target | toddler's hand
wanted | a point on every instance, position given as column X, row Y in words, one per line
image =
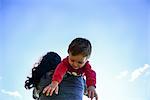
column 51, row 88
column 92, row 92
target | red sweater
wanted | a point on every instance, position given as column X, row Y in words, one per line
column 64, row 67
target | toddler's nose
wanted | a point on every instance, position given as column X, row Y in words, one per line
column 75, row 66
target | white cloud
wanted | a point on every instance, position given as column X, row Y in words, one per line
column 11, row 93
column 138, row 72
column 134, row 74
column 122, row 74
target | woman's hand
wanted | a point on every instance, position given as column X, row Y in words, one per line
column 92, row 92
column 51, row 88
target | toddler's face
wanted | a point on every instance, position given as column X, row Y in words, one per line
column 77, row 61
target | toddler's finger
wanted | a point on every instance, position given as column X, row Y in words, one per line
column 56, row 90
column 48, row 91
column 45, row 89
column 96, row 96
column 89, row 94
column 92, row 95
column 51, row 91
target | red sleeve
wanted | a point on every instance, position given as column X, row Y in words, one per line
column 90, row 76
column 59, row 73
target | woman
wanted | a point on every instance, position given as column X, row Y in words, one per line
column 71, row 87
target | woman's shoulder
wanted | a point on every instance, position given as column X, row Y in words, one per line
column 64, row 62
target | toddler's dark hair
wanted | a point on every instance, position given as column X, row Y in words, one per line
column 48, row 63
column 80, row 46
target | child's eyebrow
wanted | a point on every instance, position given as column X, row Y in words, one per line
column 80, row 61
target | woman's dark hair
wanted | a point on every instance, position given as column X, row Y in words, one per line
column 47, row 63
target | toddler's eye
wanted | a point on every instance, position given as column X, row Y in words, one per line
column 72, row 60
column 80, row 62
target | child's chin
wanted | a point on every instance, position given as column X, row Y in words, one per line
column 75, row 68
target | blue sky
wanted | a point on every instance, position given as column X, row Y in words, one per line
column 119, row 31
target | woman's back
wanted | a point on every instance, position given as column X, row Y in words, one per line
column 71, row 88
